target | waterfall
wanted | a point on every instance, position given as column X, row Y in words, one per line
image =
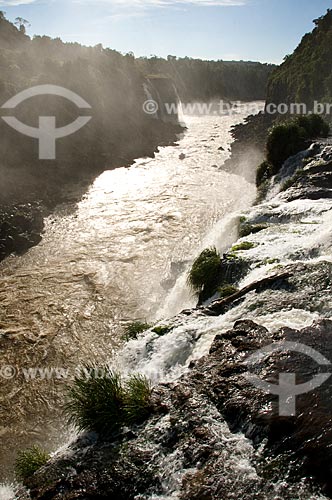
column 179, row 107
column 163, row 92
column 149, row 97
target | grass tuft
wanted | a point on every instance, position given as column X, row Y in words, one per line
column 95, row 401
column 29, row 461
column 100, row 401
column 137, row 404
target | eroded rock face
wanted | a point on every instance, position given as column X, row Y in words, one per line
column 304, row 438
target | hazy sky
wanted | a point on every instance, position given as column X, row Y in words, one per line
column 262, row 30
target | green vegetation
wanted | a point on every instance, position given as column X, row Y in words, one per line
column 198, row 80
column 306, row 75
column 227, row 290
column 29, row 461
column 314, row 125
column 96, row 401
column 137, row 405
column 289, row 138
column 100, row 401
column 162, row 330
column 205, row 271
column 285, row 140
column 247, row 229
column 245, row 245
column 134, row 329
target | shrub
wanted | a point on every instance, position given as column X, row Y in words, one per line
column 284, row 141
column 227, row 290
column 314, row 125
column 290, row 138
column 205, row 271
column 96, row 401
column 245, row 245
column 137, row 404
column 99, row 400
column 264, row 171
column 29, row 461
column 134, row 329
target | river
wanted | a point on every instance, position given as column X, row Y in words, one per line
column 120, row 254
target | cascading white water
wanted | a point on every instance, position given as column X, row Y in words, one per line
column 149, row 97
column 306, row 228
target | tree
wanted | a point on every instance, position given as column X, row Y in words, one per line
column 22, row 24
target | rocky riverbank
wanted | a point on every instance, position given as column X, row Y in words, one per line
column 212, row 434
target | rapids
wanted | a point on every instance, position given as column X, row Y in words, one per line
column 121, row 254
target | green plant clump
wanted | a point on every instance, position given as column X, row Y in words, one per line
column 100, row 401
column 29, row 461
column 285, row 140
column 247, row 229
column 134, row 329
column 161, row 330
column 205, row 271
column 137, row 404
column 245, row 245
column 314, row 125
column 227, row 290
column 289, row 138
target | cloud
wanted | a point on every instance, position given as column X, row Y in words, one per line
column 141, row 4
column 13, row 3
column 146, row 4
column 130, row 7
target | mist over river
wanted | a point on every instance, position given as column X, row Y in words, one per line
column 121, row 254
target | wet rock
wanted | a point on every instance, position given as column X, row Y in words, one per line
column 21, row 227
column 191, row 431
